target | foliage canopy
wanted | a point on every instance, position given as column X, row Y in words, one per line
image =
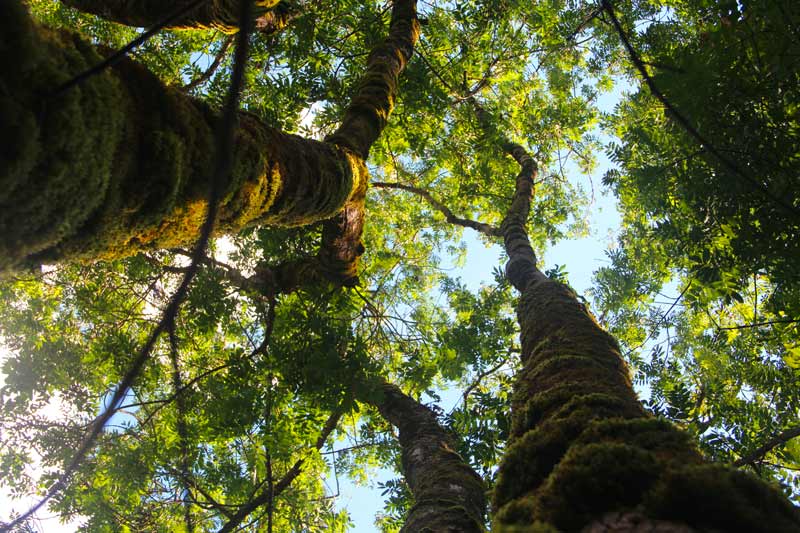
column 250, row 382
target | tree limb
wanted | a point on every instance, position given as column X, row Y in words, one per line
column 778, row 440
column 212, row 68
column 450, row 217
column 273, row 491
column 448, row 494
column 684, row 122
column 267, row 15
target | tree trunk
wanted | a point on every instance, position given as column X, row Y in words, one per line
column 583, row 455
column 220, row 15
column 448, row 494
column 120, row 163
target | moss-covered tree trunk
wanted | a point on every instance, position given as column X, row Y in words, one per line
column 217, row 14
column 448, row 494
column 120, row 163
column 583, row 454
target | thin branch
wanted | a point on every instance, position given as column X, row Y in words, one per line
column 757, row 324
column 271, row 492
column 781, row 438
column 212, row 68
column 662, row 320
column 183, row 433
column 351, row 448
column 122, row 52
column 480, row 227
column 476, row 383
column 683, row 121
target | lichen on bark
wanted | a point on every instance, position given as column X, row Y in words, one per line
column 448, row 495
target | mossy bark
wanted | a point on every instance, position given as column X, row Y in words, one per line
column 121, row 163
column 364, row 119
column 369, row 111
column 220, row 15
column 448, row 494
column 584, row 455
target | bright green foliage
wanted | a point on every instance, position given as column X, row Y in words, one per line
column 538, row 68
column 726, row 231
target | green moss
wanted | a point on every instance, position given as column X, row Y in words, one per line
column 121, row 163
column 515, row 515
column 651, row 434
column 714, row 497
column 582, row 446
column 67, row 143
column 530, row 459
column 593, row 479
column 565, row 398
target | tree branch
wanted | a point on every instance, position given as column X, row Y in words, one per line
column 477, row 381
column 271, row 492
column 448, row 494
column 758, row 324
column 480, row 227
column 212, row 68
column 778, row 440
column 684, row 122
column 267, row 17
column 369, row 110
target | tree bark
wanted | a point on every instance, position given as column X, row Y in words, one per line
column 448, row 494
column 583, row 455
column 222, row 15
column 120, row 163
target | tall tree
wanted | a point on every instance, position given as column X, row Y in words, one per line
column 290, row 345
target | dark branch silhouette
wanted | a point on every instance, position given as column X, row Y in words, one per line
column 778, row 440
column 268, row 495
column 212, row 68
column 684, row 122
column 480, row 227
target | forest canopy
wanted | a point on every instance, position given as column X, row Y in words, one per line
column 226, row 257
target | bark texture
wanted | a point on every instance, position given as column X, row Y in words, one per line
column 222, row 15
column 121, row 163
column 368, row 112
column 363, row 121
column 448, row 494
column 582, row 447
column 583, row 455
